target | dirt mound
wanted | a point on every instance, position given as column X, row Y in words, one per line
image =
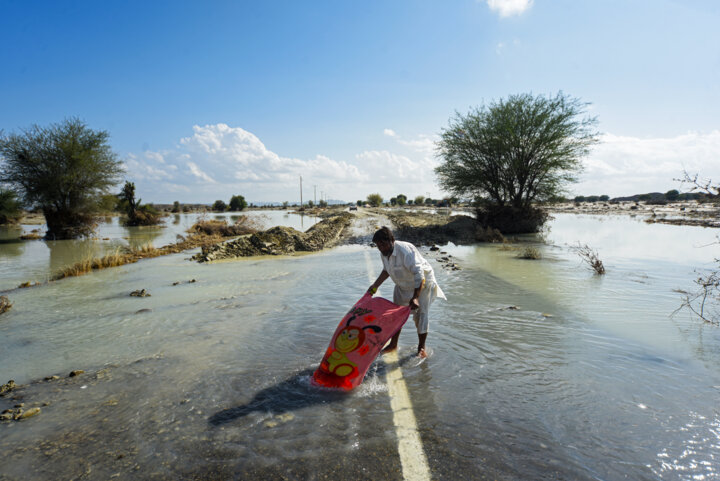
column 279, row 240
column 422, row 228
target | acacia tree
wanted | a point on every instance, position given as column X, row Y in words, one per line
column 64, row 169
column 511, row 153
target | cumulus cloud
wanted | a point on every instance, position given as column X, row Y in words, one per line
column 508, row 8
column 217, row 161
column 622, row 165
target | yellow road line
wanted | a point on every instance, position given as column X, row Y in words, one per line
column 412, row 455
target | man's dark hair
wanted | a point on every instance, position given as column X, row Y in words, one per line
column 383, row 234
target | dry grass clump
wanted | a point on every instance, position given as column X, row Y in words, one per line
column 488, row 234
column 93, row 263
column 530, row 253
column 242, row 226
column 5, row 304
column 590, row 257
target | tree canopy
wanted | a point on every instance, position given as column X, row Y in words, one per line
column 375, row 200
column 10, row 208
column 237, row 203
column 517, row 151
column 64, row 169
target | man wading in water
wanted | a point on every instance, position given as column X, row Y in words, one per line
column 414, row 282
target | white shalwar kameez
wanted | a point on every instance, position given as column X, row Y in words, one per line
column 407, row 268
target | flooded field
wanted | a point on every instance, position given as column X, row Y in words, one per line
column 36, row 261
column 539, row 369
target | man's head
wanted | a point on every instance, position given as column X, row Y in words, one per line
column 384, row 240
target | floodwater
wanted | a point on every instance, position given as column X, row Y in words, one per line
column 36, row 261
column 538, row 369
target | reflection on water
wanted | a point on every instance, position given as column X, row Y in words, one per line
column 538, row 369
column 143, row 236
column 11, row 247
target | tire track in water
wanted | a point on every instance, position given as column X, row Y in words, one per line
column 412, row 455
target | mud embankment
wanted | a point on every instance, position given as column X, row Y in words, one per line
column 428, row 229
column 279, row 241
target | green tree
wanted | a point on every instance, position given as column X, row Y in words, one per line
column 237, row 203
column 604, row 198
column 393, row 200
column 322, row 203
column 176, row 207
column 359, row 203
column 219, row 206
column 10, row 208
column 419, row 200
column 374, row 200
column 137, row 213
column 514, row 152
column 64, row 169
column 672, row 195
column 401, row 200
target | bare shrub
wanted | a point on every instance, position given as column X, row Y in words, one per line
column 488, row 234
column 589, row 256
column 705, row 302
column 530, row 253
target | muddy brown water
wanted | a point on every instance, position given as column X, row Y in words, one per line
column 538, row 369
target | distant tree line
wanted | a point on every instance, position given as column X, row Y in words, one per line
column 376, row 200
column 670, row 196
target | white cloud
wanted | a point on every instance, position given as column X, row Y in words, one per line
column 195, row 170
column 621, row 165
column 423, row 144
column 218, row 161
column 508, row 8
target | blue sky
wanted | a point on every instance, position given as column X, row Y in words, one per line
column 204, row 100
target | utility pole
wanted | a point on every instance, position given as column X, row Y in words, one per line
column 315, row 194
column 301, row 204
